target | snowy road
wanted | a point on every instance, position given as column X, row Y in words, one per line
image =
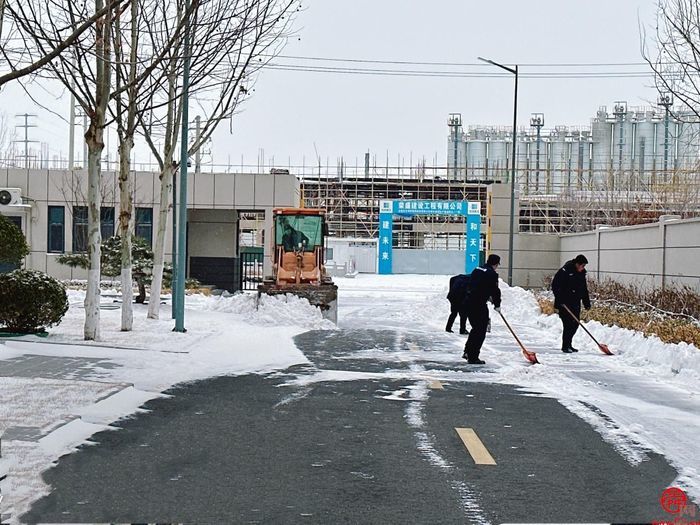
column 351, row 427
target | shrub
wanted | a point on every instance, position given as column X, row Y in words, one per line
column 13, row 245
column 111, row 261
column 30, row 301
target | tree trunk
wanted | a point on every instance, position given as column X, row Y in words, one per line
column 166, row 184
column 92, row 296
column 125, row 212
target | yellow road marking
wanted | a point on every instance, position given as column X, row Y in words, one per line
column 436, row 385
column 412, row 346
column 476, row 448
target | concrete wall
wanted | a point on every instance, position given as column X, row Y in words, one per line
column 206, row 191
column 430, row 262
column 535, row 255
column 648, row 255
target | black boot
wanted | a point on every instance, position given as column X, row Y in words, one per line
column 566, row 350
column 573, row 349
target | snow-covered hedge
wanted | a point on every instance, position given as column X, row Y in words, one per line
column 30, row 301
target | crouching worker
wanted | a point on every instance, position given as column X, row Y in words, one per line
column 484, row 287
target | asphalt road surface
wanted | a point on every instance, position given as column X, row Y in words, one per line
column 363, row 435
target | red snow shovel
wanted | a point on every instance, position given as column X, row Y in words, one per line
column 530, row 356
column 603, row 348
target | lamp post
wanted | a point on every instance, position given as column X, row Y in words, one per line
column 181, row 267
column 514, row 71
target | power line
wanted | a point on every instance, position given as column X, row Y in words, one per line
column 460, row 64
column 453, row 74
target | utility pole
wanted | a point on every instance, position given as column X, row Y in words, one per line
column 26, row 140
column 71, row 133
column 198, row 155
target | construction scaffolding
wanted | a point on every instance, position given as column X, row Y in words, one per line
column 352, row 203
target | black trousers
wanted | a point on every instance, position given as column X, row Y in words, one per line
column 455, row 309
column 479, row 319
column 569, row 323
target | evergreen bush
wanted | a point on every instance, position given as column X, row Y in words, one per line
column 13, row 245
column 30, row 301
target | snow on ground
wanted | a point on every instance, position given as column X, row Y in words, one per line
column 641, row 400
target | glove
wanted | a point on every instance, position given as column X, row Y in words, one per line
column 498, row 309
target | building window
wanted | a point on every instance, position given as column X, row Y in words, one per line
column 57, row 230
column 106, row 223
column 80, row 228
column 144, row 224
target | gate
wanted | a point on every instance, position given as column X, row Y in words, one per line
column 251, row 270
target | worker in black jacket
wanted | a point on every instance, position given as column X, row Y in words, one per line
column 484, row 286
column 459, row 302
column 570, row 289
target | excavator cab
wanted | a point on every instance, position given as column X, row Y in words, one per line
column 298, row 252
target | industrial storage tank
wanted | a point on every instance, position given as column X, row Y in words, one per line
column 601, row 131
column 499, row 157
column 476, row 156
column 687, row 145
column 557, row 176
column 645, row 148
column 580, row 161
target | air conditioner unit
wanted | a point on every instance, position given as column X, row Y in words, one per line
column 10, row 196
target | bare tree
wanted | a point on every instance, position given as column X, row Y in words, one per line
column 231, row 41
column 15, row 58
column 675, row 60
column 84, row 68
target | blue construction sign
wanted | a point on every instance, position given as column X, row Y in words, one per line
column 409, row 208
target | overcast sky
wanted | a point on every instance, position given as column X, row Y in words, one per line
column 293, row 114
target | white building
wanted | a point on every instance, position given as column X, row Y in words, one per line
column 50, row 208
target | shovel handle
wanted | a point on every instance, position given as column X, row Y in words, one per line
column 580, row 323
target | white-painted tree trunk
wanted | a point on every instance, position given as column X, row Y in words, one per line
column 94, row 138
column 166, row 186
column 92, row 296
column 125, row 213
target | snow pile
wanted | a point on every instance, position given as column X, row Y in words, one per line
column 279, row 310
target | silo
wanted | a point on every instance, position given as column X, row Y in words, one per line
column 525, row 162
column 499, row 156
column 476, row 155
column 686, row 145
column 558, row 162
column 644, row 148
column 601, row 131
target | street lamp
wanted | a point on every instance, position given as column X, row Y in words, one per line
column 514, row 71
